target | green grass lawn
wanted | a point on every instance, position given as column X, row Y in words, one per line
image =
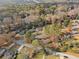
column 52, row 57
column 20, row 56
column 47, row 57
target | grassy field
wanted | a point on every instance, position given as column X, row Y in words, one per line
column 47, row 57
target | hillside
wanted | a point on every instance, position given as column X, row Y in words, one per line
column 2, row 2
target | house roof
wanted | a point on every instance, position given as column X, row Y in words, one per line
column 43, row 36
column 2, row 50
column 76, row 36
column 3, row 40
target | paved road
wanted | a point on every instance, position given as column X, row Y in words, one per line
column 69, row 56
column 57, row 53
column 24, row 45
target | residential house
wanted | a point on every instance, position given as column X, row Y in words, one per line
column 2, row 51
column 9, row 54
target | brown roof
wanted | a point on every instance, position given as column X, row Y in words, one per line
column 18, row 36
column 53, row 38
column 73, row 12
column 3, row 40
column 32, row 18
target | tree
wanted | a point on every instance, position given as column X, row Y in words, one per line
column 66, row 22
column 41, row 9
column 52, row 9
column 28, row 37
column 52, row 29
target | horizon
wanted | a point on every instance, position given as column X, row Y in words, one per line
column 3, row 2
